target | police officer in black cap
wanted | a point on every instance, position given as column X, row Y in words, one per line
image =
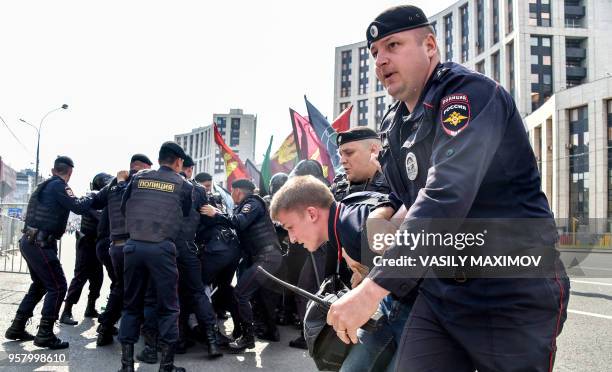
column 86, row 267
column 47, row 215
column 154, row 204
column 455, row 148
column 259, row 243
column 112, row 195
column 358, row 147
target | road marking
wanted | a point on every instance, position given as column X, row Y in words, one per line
column 591, row 268
column 590, row 314
column 585, row 282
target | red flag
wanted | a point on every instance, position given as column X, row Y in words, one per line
column 234, row 167
column 342, row 122
column 308, row 144
column 285, row 158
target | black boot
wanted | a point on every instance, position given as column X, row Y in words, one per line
column 90, row 311
column 167, row 359
column 17, row 329
column 127, row 358
column 66, row 317
column 105, row 335
column 246, row 341
column 211, row 338
column 269, row 333
column 149, row 353
column 222, row 339
column 46, row 338
column 299, row 342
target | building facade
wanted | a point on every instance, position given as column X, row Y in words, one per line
column 533, row 48
column 239, row 132
column 554, row 57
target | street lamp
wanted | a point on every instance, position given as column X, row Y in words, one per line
column 62, row 107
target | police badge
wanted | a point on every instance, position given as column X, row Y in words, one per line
column 412, row 167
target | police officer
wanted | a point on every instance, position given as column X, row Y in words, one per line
column 260, row 245
column 455, row 147
column 357, row 147
column 192, row 293
column 46, row 218
column 155, row 203
column 112, row 194
column 87, row 267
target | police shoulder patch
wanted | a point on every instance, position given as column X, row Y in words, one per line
column 454, row 113
column 69, row 192
column 246, row 208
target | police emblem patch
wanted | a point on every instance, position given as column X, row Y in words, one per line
column 373, row 31
column 246, row 208
column 155, row 185
column 69, row 192
column 454, row 113
column 412, row 167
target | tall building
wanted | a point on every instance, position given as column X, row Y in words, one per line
column 555, row 58
column 239, row 132
column 200, row 145
column 521, row 44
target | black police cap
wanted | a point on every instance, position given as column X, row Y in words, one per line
column 395, row 19
column 203, row 177
column 188, row 162
column 173, row 147
column 142, row 158
column 63, row 160
column 243, row 184
column 355, row 134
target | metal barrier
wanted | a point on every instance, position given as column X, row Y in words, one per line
column 10, row 257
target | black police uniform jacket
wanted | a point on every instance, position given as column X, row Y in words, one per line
column 343, row 187
column 155, row 203
column 51, row 204
column 463, row 153
column 252, row 222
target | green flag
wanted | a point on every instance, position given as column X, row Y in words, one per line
column 265, row 168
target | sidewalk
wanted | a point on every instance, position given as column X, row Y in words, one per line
column 82, row 355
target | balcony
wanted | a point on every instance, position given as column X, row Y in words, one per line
column 574, row 73
column 574, row 11
column 575, row 53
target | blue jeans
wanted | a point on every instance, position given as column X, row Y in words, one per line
column 377, row 350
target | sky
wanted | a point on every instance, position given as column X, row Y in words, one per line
column 134, row 73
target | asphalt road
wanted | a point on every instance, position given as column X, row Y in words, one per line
column 584, row 345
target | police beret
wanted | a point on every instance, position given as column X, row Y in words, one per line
column 203, row 177
column 173, row 147
column 63, row 160
column 142, row 158
column 355, row 134
column 188, row 162
column 395, row 19
column 243, row 184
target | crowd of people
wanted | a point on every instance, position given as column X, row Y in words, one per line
column 453, row 146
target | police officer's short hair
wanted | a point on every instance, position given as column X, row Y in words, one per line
column 245, row 185
column 299, row 193
column 62, row 165
column 203, row 177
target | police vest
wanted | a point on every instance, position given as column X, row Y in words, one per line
column 189, row 227
column 259, row 234
column 89, row 224
column 153, row 211
column 118, row 230
column 43, row 216
column 342, row 187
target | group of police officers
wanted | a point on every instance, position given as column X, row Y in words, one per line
column 452, row 146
